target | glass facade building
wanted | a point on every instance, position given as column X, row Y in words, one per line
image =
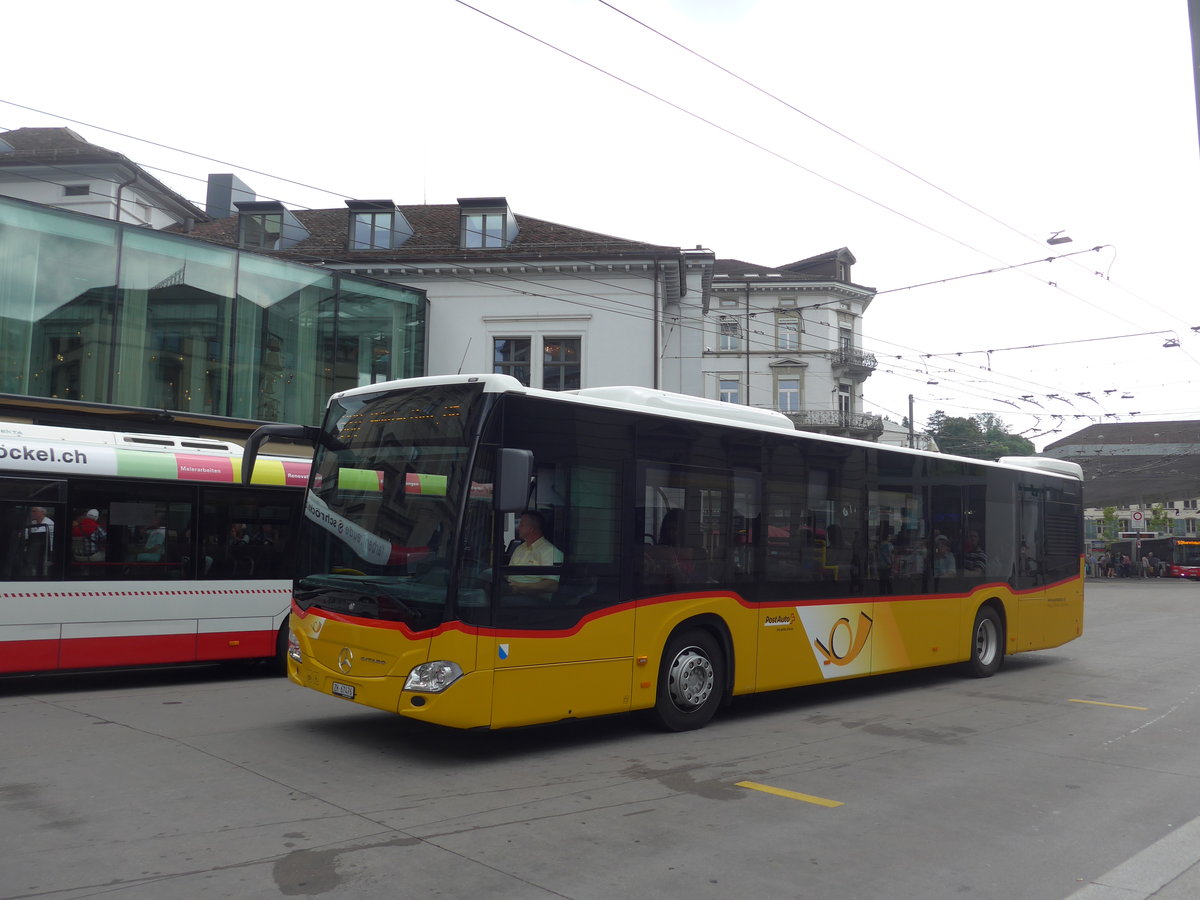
column 92, row 310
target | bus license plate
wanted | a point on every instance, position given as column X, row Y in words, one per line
column 343, row 690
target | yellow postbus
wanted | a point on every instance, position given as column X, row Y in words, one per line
column 677, row 553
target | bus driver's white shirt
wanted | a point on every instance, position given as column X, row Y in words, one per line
column 540, row 553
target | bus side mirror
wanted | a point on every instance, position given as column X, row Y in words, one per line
column 263, row 433
column 514, row 471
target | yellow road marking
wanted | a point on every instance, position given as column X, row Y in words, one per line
column 1115, row 705
column 792, row 795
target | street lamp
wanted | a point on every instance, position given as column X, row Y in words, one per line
column 1058, row 238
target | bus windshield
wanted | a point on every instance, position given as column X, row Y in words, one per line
column 388, row 479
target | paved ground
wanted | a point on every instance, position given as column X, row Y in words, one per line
column 1073, row 773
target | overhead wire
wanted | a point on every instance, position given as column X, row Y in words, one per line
column 884, row 158
column 749, row 339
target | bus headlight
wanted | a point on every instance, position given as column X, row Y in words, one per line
column 433, row 677
column 293, row 650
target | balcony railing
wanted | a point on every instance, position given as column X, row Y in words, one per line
column 854, row 359
column 856, row 424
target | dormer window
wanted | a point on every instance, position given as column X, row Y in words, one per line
column 261, row 231
column 486, row 223
column 377, row 225
column 266, row 225
column 483, row 230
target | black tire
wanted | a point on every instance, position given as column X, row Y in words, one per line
column 691, row 681
column 987, row 643
column 278, row 662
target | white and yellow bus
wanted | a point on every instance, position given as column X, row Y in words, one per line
column 707, row 551
column 139, row 549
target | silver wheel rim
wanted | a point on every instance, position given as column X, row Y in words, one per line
column 986, row 641
column 690, row 679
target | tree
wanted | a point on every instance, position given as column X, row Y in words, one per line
column 984, row 436
column 1109, row 524
column 1160, row 520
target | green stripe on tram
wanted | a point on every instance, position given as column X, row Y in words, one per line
column 137, row 464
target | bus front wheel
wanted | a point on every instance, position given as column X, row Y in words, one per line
column 987, row 643
column 691, row 681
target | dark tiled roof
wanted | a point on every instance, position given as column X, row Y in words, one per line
column 1133, row 433
column 822, row 262
column 45, row 143
column 63, row 147
column 436, row 237
column 817, row 269
column 736, row 269
column 1135, row 462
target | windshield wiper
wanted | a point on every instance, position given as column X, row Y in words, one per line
column 375, row 602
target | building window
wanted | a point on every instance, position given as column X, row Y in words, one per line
column 561, row 364
column 729, row 303
column 845, row 400
column 787, row 392
column 483, row 230
column 787, row 302
column 730, row 336
column 846, row 340
column 729, row 390
column 559, row 369
column 1190, row 524
column 787, row 333
column 372, row 231
column 76, row 190
column 1189, row 504
column 261, row 231
column 511, row 357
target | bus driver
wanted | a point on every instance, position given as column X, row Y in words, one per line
column 534, row 550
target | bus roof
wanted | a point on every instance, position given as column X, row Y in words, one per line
column 685, row 406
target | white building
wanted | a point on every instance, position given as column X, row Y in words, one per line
column 559, row 307
column 56, row 167
column 790, row 338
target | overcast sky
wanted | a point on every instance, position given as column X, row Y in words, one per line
column 934, row 138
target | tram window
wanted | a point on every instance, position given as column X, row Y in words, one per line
column 30, row 541
column 245, row 535
column 141, row 532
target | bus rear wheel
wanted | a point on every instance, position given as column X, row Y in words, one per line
column 987, row 643
column 691, row 681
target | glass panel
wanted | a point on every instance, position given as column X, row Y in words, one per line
column 261, row 230
column 372, row 231
column 493, row 231
column 897, row 517
column 561, row 364
column 789, row 395
column 246, row 534
column 384, row 505
column 579, row 495
column 375, row 326
column 174, row 331
column 730, row 391
column 39, row 538
column 472, row 231
column 57, row 274
column 789, row 334
column 511, row 356
column 274, row 373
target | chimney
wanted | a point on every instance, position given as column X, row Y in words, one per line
column 223, row 192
